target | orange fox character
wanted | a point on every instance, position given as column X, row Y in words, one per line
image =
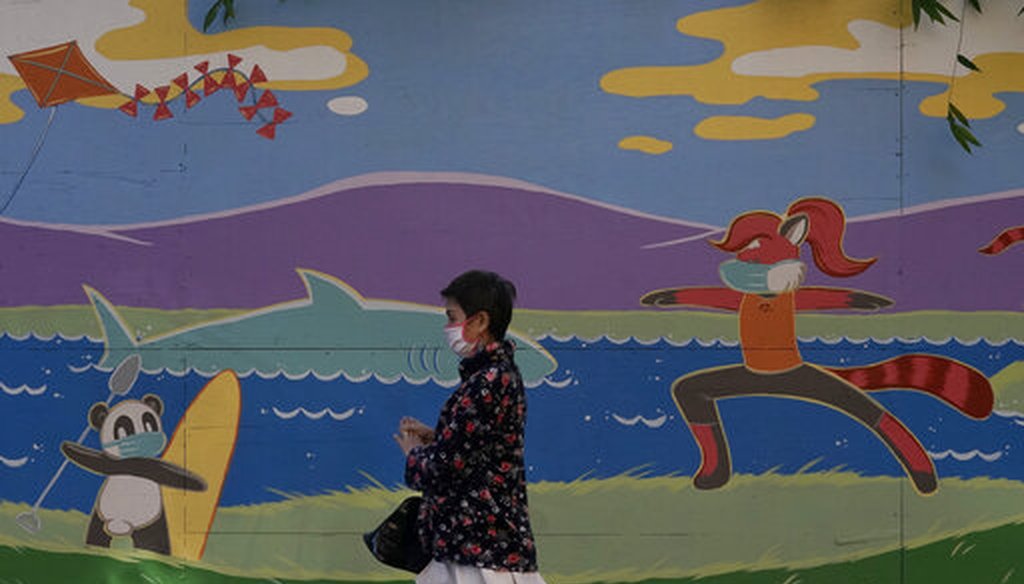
column 764, row 285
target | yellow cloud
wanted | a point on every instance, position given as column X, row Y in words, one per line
column 779, row 49
column 9, row 112
column 166, row 33
column 761, row 26
column 751, row 128
column 974, row 94
column 646, row 144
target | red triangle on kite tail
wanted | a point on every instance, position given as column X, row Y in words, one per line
column 267, row 131
column 233, row 61
column 191, row 98
column 257, row 75
column 162, row 111
column 267, row 99
column 209, row 86
column 281, row 115
column 181, row 81
column 203, row 67
column 131, row 108
column 248, row 111
column 140, row 92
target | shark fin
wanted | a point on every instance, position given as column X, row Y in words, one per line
column 118, row 342
column 326, row 290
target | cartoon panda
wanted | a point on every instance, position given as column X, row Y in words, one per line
column 129, row 502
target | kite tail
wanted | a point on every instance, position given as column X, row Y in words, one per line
column 960, row 386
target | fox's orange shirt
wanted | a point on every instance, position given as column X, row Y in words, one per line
column 768, row 332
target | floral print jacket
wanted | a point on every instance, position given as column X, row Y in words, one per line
column 472, row 475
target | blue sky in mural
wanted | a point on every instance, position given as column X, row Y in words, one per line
column 508, row 89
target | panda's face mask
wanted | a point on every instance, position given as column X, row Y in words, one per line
column 141, row 445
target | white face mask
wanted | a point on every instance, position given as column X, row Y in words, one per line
column 455, row 335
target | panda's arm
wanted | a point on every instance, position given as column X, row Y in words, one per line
column 154, row 469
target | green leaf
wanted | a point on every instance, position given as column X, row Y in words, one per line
column 211, row 15
column 229, row 10
column 942, row 8
column 1021, row 11
column 960, row 140
column 915, row 7
column 964, row 137
column 976, row 4
column 933, row 13
column 955, row 111
column 967, row 62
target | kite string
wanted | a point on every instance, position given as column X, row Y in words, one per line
column 31, row 160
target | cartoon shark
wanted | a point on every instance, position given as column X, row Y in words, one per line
column 333, row 331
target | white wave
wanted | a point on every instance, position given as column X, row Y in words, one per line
column 315, row 415
column 279, row 373
column 1008, row 414
column 13, row 463
column 551, row 383
column 830, row 340
column 965, row 456
column 23, row 389
column 556, row 338
column 84, row 368
column 50, row 337
column 654, row 423
column 647, row 342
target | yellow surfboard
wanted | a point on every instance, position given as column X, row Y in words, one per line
column 203, row 443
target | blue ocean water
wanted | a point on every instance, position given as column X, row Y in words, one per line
column 606, row 411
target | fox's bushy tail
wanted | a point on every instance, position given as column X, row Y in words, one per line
column 959, row 385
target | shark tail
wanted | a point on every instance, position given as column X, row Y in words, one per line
column 117, row 340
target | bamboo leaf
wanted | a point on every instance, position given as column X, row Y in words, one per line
column 929, row 7
column 915, row 7
column 976, row 4
column 963, row 60
column 229, row 10
column 964, row 137
column 942, row 8
column 960, row 139
column 955, row 111
column 211, row 15
column 933, row 14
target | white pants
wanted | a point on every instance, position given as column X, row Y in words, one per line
column 449, row 573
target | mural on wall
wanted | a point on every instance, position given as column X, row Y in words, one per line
column 240, row 322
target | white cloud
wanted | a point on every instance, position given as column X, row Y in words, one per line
column 349, row 105
column 25, row 26
column 930, row 49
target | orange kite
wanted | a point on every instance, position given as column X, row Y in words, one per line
column 60, row 74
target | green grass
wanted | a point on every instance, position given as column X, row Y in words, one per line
column 1008, row 385
column 988, row 556
column 609, row 530
column 644, row 324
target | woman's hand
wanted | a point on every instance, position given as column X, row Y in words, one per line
column 407, row 441
column 413, row 426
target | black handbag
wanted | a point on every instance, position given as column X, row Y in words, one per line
column 396, row 541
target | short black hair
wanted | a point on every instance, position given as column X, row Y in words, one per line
column 479, row 290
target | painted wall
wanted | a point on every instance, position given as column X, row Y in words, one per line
column 235, row 240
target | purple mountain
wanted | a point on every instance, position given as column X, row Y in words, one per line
column 402, row 236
